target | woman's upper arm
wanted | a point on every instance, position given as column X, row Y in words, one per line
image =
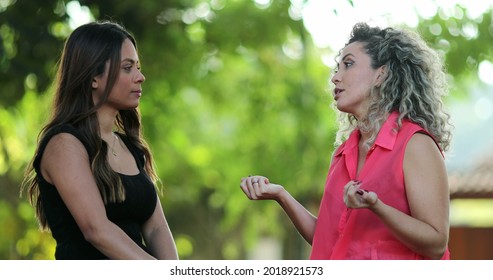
column 65, row 164
column 155, row 221
column 158, row 236
column 426, row 182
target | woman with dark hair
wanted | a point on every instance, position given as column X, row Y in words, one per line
column 386, row 193
column 92, row 179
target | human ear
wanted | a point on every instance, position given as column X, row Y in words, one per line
column 96, row 81
column 94, row 84
column 381, row 75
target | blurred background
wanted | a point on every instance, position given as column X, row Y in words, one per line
column 241, row 87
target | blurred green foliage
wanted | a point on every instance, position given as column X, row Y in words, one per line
column 233, row 88
column 465, row 40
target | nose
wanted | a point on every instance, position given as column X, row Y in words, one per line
column 335, row 78
column 140, row 77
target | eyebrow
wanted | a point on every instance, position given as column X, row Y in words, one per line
column 342, row 59
column 130, row 60
column 349, row 54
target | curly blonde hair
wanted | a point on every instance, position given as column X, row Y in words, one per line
column 414, row 86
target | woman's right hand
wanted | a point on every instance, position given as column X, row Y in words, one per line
column 259, row 188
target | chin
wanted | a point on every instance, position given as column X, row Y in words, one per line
column 130, row 107
column 341, row 108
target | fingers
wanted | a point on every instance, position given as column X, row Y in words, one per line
column 247, row 187
column 262, row 186
column 350, row 190
column 356, row 197
column 254, row 186
column 371, row 198
column 244, row 188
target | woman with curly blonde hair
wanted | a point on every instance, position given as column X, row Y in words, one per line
column 386, row 194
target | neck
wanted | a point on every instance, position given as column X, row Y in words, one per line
column 106, row 122
column 364, row 136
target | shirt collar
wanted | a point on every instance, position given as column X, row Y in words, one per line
column 388, row 133
column 385, row 138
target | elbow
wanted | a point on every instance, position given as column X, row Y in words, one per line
column 309, row 240
column 438, row 253
column 308, row 236
column 93, row 234
column 90, row 235
column 438, row 250
column 431, row 252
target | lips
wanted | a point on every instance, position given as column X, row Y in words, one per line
column 337, row 92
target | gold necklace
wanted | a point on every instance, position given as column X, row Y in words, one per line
column 113, row 145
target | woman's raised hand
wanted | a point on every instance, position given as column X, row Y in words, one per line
column 259, row 188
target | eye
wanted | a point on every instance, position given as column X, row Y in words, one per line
column 348, row 63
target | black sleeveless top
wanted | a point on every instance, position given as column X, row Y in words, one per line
column 129, row 215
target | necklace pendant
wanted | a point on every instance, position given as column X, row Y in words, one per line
column 113, row 146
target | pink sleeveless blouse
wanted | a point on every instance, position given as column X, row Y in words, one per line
column 343, row 233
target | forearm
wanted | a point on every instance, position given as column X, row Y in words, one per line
column 114, row 243
column 301, row 218
column 259, row 188
column 417, row 235
column 161, row 244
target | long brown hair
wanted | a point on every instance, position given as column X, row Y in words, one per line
column 85, row 54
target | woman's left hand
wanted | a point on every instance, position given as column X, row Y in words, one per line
column 356, row 197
